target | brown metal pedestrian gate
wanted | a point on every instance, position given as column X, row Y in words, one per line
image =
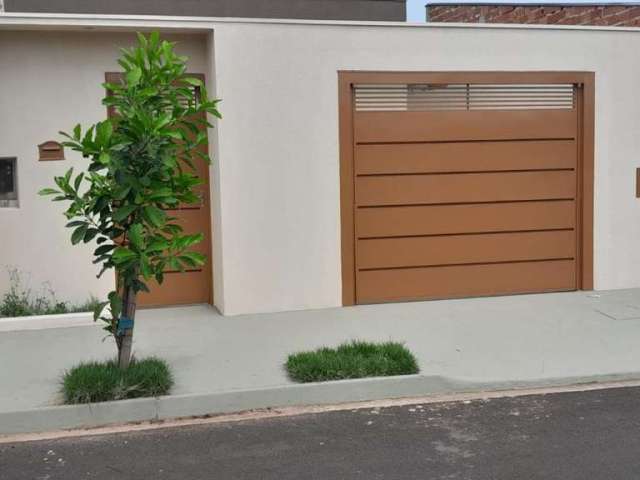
column 193, row 285
column 461, row 184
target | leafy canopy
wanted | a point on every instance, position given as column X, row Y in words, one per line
column 141, row 165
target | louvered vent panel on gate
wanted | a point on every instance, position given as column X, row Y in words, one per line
column 423, row 97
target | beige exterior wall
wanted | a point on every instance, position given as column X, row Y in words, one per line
column 49, row 81
column 280, row 195
column 275, row 181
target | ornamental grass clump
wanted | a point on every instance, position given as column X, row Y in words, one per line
column 104, row 381
column 354, row 359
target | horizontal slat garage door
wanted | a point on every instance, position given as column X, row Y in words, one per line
column 464, row 190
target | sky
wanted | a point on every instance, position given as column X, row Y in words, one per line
column 415, row 10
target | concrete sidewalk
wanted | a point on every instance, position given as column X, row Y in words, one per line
column 462, row 345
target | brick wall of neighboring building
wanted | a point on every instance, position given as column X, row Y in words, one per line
column 611, row 15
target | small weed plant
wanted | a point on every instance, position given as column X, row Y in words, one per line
column 22, row 300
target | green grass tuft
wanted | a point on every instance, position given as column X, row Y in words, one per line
column 103, row 381
column 355, row 359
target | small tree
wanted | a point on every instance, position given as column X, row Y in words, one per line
column 141, row 164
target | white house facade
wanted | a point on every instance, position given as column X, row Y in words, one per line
column 297, row 157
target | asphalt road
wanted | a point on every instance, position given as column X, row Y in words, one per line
column 581, row 435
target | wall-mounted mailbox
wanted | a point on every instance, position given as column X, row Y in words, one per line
column 50, row 150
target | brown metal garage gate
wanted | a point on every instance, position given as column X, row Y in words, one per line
column 464, row 189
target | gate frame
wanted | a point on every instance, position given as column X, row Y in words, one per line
column 585, row 105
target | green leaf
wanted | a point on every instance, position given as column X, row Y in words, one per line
column 204, row 156
column 49, row 191
column 155, row 216
column 189, row 240
column 196, row 82
column 104, row 158
column 157, row 246
column 78, row 181
column 176, row 135
column 113, row 87
column 133, row 76
column 161, row 193
column 102, row 270
column 87, row 140
column 172, row 229
column 123, row 212
column 192, row 259
column 135, row 236
column 163, row 120
column 145, row 268
column 102, row 249
column 123, row 255
column 149, row 92
column 102, row 201
column 174, row 264
column 142, row 40
column 104, row 130
column 154, row 38
column 98, row 310
column 91, row 233
column 121, row 192
column 167, row 50
column 115, row 304
column 67, row 176
column 201, row 138
column 75, row 223
column 78, row 234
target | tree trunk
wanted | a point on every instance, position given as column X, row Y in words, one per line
column 124, row 338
